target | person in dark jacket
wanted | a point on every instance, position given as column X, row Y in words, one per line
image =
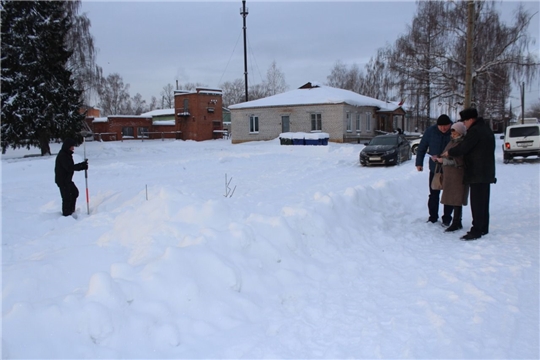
column 478, row 151
column 433, row 142
column 63, row 174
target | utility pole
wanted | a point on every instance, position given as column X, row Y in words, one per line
column 523, row 103
column 244, row 13
column 469, row 55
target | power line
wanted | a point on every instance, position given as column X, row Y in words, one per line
column 228, row 62
column 254, row 59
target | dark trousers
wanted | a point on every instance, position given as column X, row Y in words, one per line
column 433, row 204
column 69, row 194
column 458, row 210
column 480, row 208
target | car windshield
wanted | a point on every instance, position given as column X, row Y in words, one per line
column 384, row 140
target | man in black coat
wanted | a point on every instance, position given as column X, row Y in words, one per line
column 63, row 172
column 478, row 151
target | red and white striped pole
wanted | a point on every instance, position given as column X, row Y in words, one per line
column 86, row 179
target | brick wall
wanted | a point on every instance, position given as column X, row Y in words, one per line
column 199, row 113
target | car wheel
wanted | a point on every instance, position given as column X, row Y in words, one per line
column 398, row 160
column 507, row 158
column 413, row 149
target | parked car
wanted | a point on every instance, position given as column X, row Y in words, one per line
column 389, row 149
column 521, row 140
column 414, row 145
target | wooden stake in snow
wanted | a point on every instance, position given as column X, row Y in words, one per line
column 228, row 192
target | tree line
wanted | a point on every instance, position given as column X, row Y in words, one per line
column 426, row 65
column 114, row 98
column 49, row 69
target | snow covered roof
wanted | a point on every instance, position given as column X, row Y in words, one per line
column 314, row 93
column 199, row 90
column 129, row 116
column 159, row 112
column 100, row 119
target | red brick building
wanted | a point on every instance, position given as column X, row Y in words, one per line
column 198, row 116
column 125, row 127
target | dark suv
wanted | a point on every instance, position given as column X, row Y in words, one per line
column 390, row 149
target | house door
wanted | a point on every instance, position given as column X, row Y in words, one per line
column 285, row 124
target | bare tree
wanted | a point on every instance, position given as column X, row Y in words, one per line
column 191, row 86
column 344, row 77
column 167, row 97
column 82, row 62
column 138, row 104
column 275, row 79
column 258, row 91
column 414, row 58
column 114, row 96
column 338, row 76
column 534, row 110
column 502, row 58
column 167, row 93
column 153, row 104
column 429, row 59
column 378, row 80
column 233, row 92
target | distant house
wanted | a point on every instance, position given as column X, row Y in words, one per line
column 345, row 115
column 197, row 115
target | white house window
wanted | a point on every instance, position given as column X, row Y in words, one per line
column 358, row 123
column 349, row 122
column 316, row 122
column 253, row 124
column 368, row 121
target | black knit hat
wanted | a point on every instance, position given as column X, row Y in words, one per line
column 69, row 142
column 469, row 113
column 444, row 120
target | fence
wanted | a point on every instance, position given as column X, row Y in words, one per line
column 112, row 136
column 145, row 135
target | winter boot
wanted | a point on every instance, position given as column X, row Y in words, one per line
column 456, row 222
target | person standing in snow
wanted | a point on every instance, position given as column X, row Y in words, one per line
column 63, row 171
column 434, row 140
column 478, row 151
column 454, row 192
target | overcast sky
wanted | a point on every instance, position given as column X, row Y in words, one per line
column 151, row 44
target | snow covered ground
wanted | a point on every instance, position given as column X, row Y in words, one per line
column 312, row 256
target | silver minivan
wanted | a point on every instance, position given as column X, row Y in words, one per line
column 521, row 140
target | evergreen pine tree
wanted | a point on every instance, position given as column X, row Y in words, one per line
column 39, row 101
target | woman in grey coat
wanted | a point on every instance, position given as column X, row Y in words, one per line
column 455, row 192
